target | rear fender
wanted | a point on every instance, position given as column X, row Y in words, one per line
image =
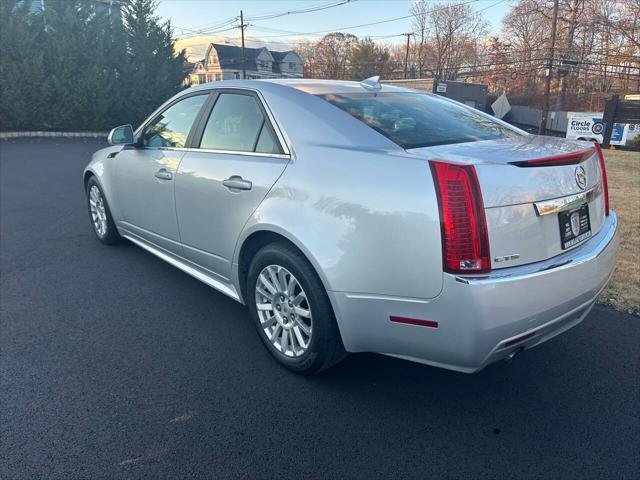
column 368, row 223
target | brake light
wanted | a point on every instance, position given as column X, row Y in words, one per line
column 465, row 242
column 605, row 185
column 572, row 158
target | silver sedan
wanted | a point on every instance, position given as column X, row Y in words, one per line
column 354, row 217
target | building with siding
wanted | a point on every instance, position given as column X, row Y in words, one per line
column 224, row 62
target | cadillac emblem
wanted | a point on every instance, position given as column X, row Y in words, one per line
column 581, row 177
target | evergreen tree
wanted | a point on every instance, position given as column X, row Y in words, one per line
column 75, row 67
column 84, row 51
column 22, row 72
column 367, row 59
column 154, row 72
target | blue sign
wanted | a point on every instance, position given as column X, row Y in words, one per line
column 598, row 128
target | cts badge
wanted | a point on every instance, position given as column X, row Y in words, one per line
column 506, row 258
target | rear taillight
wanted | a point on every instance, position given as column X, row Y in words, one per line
column 465, row 242
column 605, row 185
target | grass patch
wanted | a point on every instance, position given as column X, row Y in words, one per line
column 623, row 174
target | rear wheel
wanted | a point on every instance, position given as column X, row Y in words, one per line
column 101, row 219
column 291, row 310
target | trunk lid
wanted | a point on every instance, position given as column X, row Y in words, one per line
column 524, row 204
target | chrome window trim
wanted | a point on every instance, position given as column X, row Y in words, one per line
column 555, row 205
column 164, row 107
column 276, row 128
column 226, row 152
column 208, row 91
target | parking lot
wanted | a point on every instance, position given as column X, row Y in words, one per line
column 115, row 364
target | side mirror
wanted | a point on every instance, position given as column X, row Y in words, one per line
column 122, row 135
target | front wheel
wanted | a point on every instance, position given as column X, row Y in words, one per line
column 100, row 215
column 291, row 310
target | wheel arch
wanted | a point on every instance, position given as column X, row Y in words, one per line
column 97, row 169
column 261, row 236
column 87, row 175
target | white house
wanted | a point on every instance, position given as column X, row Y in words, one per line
column 224, row 62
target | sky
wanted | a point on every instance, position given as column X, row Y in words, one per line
column 199, row 22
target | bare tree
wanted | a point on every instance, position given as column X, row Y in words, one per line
column 596, row 51
column 306, row 50
column 420, row 25
column 623, row 18
column 454, row 32
column 524, row 33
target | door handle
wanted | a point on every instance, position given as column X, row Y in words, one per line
column 236, row 182
column 163, row 174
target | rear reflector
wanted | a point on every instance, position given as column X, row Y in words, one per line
column 414, row 321
column 605, row 185
column 557, row 160
column 465, row 243
column 519, row 339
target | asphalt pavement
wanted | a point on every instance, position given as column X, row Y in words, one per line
column 114, row 364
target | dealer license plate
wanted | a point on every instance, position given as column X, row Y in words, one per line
column 575, row 226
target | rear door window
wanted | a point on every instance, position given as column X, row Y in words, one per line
column 266, row 142
column 236, row 123
column 414, row 120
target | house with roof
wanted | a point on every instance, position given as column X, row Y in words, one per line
column 224, row 62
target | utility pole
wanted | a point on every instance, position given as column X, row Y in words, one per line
column 406, row 55
column 244, row 62
column 547, row 88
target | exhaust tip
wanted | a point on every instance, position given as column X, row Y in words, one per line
column 509, row 358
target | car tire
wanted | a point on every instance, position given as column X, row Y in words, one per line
column 274, row 313
column 100, row 215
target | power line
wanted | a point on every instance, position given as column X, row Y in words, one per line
column 314, row 8
column 209, row 32
column 208, row 26
column 372, row 23
column 303, row 10
column 541, row 63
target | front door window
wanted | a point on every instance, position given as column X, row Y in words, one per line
column 171, row 128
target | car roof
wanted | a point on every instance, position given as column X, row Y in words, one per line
column 308, row 85
column 315, row 86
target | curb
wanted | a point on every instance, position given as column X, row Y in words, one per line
column 53, row 134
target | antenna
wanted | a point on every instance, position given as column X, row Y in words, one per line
column 372, row 83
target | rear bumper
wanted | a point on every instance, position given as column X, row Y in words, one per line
column 482, row 320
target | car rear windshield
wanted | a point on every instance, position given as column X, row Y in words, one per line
column 414, row 120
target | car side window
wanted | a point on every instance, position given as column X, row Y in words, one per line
column 171, row 128
column 236, row 123
column 266, row 142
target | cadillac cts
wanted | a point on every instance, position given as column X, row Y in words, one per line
column 355, row 217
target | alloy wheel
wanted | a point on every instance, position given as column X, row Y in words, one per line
column 98, row 211
column 284, row 311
